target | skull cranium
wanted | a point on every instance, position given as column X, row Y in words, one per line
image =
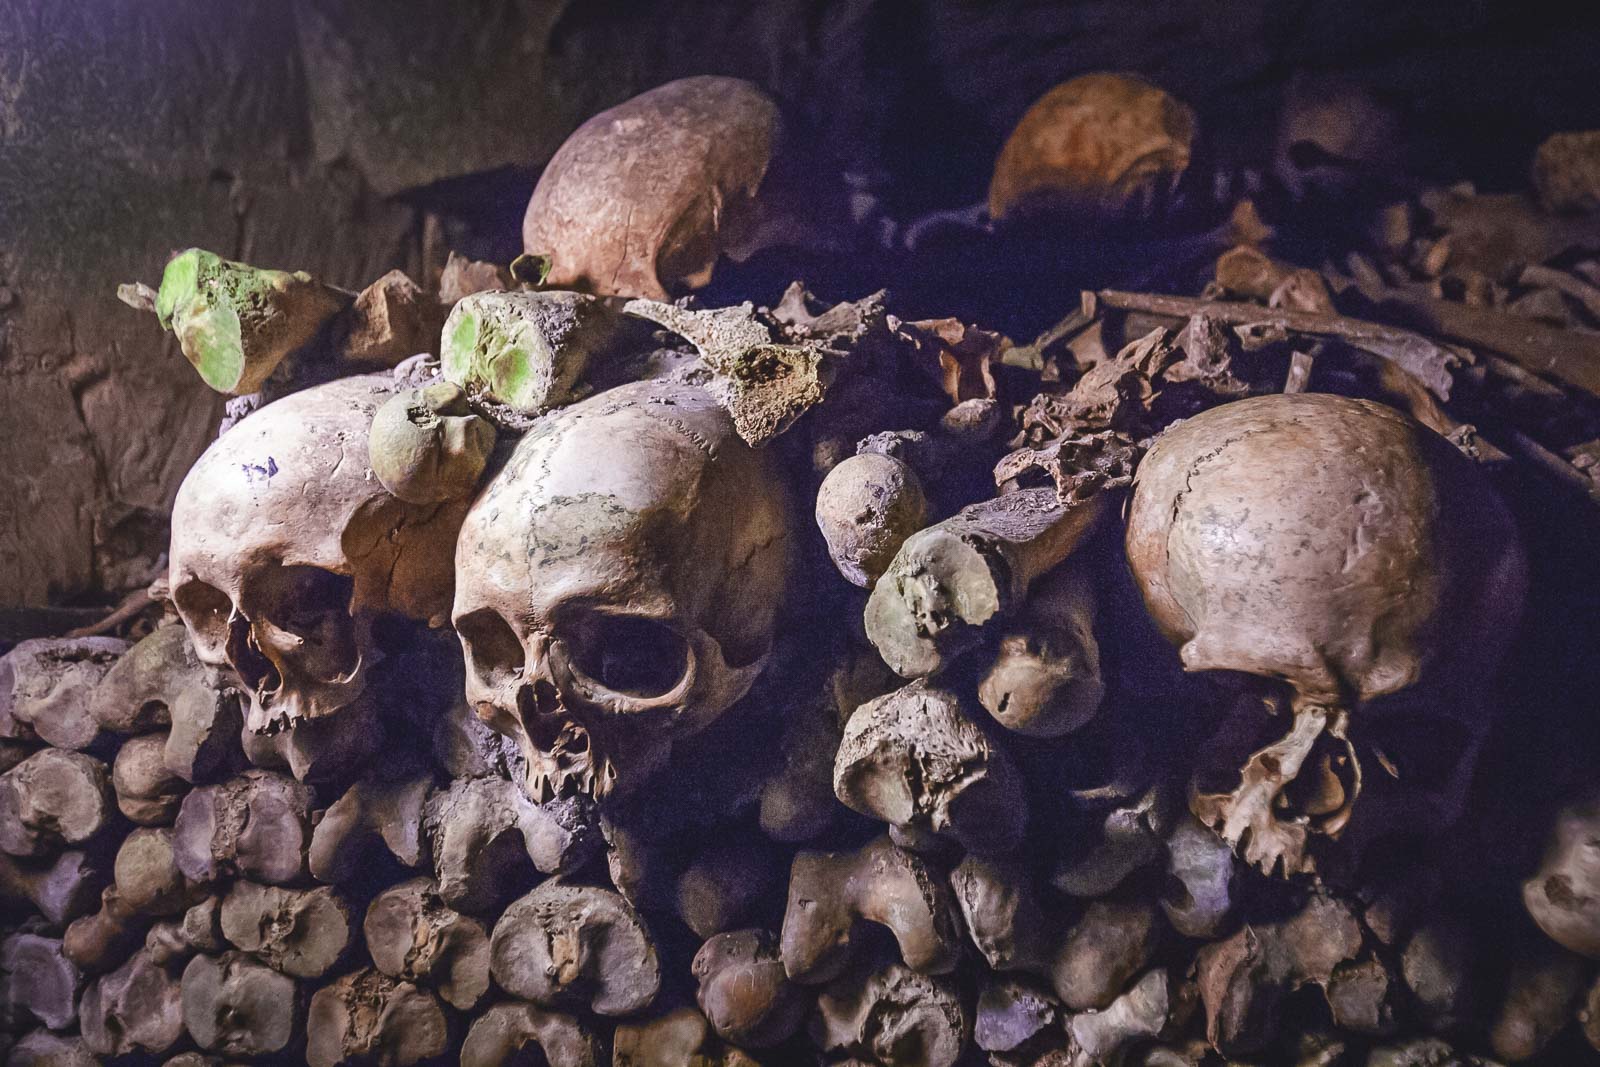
column 617, row 584
column 286, row 550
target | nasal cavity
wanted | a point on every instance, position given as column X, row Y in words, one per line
column 254, row 669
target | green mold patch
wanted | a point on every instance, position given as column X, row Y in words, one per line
column 236, row 323
column 523, row 352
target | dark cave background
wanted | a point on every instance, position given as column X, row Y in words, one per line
column 347, row 138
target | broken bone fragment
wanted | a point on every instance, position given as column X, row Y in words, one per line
column 411, row 933
column 866, row 507
column 373, row 817
column 520, row 353
column 391, row 320
column 744, row 992
column 916, row 759
column 1096, row 148
column 1361, row 550
column 1004, row 916
column 953, row 578
column 644, row 198
column 136, row 1008
column 136, row 694
column 570, row 944
column 368, row 1017
column 831, row 893
column 426, row 445
column 256, row 826
column 47, row 686
column 235, row 323
column 764, row 385
column 1045, row 679
column 38, row 981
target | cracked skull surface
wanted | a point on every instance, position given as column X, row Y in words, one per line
column 287, row 550
column 618, row 584
column 1341, row 548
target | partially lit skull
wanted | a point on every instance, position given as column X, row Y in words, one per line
column 1341, row 548
column 286, row 551
column 618, row 582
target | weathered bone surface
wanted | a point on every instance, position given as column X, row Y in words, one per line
column 486, row 837
column 257, row 825
column 1099, row 146
column 570, row 944
column 519, row 354
column 1012, row 1012
column 412, row 934
column 286, row 548
column 301, row 932
column 148, row 792
column 239, row 1007
column 830, row 893
column 136, row 695
column 368, row 1017
column 1103, row 950
column 1344, row 603
column 136, row 1008
column 372, row 815
column 678, row 1038
column 37, row 983
column 1563, row 896
column 41, row 1048
column 1201, row 894
column 52, row 799
column 956, row 576
column 1004, row 916
column 644, row 197
column 1045, row 679
column 893, row 1017
column 47, row 684
column 502, row 1036
column 391, row 320
column 608, row 610
column 147, row 875
column 866, row 507
column 916, row 759
column 204, row 744
column 426, row 446
column 744, row 992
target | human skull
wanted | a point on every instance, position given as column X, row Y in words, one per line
column 617, row 584
column 286, row 550
column 1339, row 547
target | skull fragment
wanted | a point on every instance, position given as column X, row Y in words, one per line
column 617, row 584
column 287, row 551
column 1338, row 547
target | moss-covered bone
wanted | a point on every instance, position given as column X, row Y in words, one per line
column 236, row 322
column 426, row 445
column 523, row 351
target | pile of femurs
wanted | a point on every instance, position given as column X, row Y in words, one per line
column 648, row 683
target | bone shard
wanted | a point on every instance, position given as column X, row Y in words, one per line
column 257, row 826
column 369, row 1017
column 500, row 1036
column 917, row 760
column 575, row 944
column 46, row 685
column 236, row 1006
column 235, row 323
column 894, row 1017
column 148, row 792
column 953, row 578
column 413, row 935
column 372, row 815
column 53, row 799
column 829, row 893
column 301, row 932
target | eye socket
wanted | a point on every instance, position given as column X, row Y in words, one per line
column 304, row 598
column 493, row 651
column 205, row 609
column 628, row 655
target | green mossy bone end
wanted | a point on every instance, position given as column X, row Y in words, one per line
column 236, row 323
column 526, row 351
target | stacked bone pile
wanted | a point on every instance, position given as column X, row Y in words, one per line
column 639, row 682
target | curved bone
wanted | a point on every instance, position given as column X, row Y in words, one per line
column 366, row 1016
column 575, row 944
column 52, row 799
column 148, row 792
column 411, row 934
column 136, row 1008
column 744, row 992
column 372, row 815
column 301, row 932
column 46, row 685
column 500, row 1036
column 238, row 1007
